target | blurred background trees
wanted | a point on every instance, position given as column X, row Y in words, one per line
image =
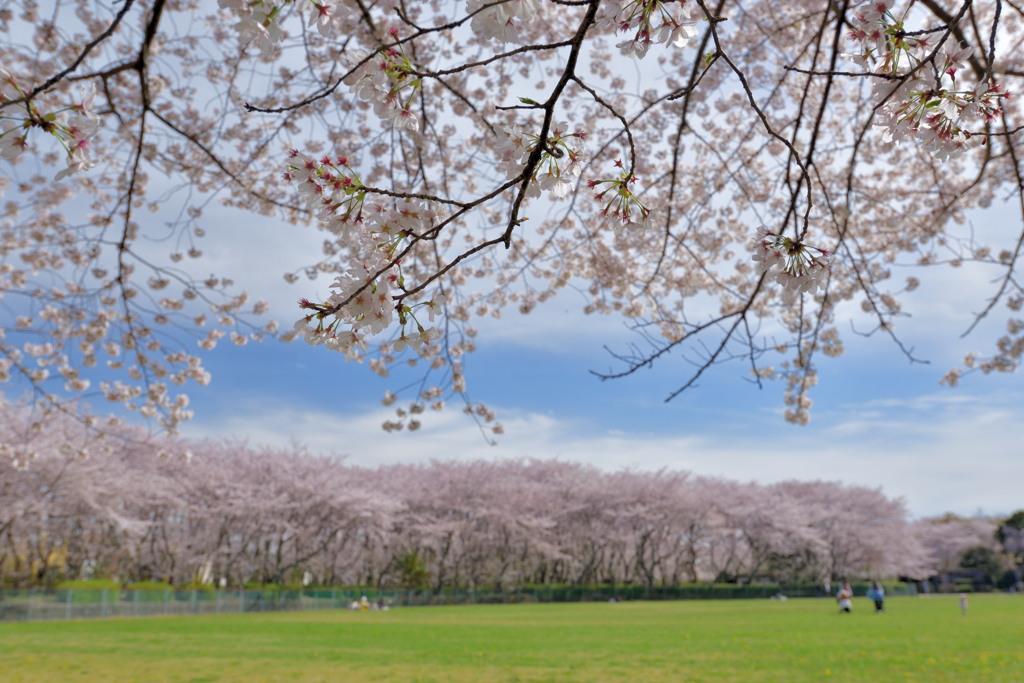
column 95, row 507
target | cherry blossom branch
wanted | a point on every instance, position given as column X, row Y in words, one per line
column 953, row 28
column 648, row 361
column 1011, row 265
column 490, row 60
column 952, row 25
column 620, row 117
column 325, row 92
column 59, row 76
column 220, row 164
column 857, row 74
column 746, row 86
column 549, row 106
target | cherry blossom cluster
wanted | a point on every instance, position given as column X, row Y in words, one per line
column 258, row 20
column 925, row 105
column 620, row 203
column 73, row 125
column 797, row 267
column 361, row 301
column 71, row 326
column 433, row 395
column 385, row 81
column 500, row 20
column 561, row 161
column 331, row 189
column 206, row 119
column 650, row 22
column 34, row 361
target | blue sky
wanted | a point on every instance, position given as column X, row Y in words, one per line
column 877, row 419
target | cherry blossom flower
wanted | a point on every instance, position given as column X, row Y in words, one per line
column 554, row 181
column 561, row 159
column 436, row 305
column 406, row 120
column 500, row 21
column 620, row 204
column 257, row 22
column 385, row 80
column 322, row 16
column 77, row 160
column 13, row 139
column 795, row 266
column 675, row 25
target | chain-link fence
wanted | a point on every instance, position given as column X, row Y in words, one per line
column 34, row 604
column 77, row 603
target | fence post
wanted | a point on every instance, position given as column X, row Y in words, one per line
column 31, row 597
column 67, row 612
column 135, row 603
column 241, row 599
column 167, row 592
column 193, row 601
column 218, row 601
column 103, row 603
column 334, row 598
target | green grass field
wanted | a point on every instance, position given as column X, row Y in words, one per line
column 918, row 639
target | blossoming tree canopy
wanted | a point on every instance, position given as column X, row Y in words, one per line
column 141, row 511
column 725, row 174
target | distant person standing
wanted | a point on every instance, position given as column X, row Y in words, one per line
column 963, row 604
column 845, row 598
column 877, row 593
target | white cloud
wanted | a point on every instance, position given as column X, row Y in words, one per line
column 941, row 453
column 947, row 451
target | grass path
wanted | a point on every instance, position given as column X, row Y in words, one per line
column 919, row 639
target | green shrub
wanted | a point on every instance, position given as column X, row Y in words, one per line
column 90, row 584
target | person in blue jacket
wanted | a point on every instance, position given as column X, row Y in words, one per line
column 877, row 593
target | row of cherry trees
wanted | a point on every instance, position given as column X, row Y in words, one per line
column 73, row 505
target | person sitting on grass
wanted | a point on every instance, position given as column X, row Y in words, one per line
column 845, row 598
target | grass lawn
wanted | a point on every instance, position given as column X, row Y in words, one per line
column 918, row 639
